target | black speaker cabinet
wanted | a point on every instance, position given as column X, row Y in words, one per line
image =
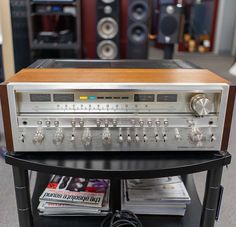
column 138, row 15
column 108, row 12
column 169, row 21
column 20, row 34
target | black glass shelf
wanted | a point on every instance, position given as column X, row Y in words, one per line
column 120, row 165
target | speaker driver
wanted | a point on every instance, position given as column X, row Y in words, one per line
column 107, row 28
column 138, row 33
column 138, row 11
column 172, row 26
column 107, row 1
column 107, row 50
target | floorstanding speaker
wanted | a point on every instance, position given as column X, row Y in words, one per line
column 108, row 12
column 138, row 16
column 169, row 21
column 21, row 46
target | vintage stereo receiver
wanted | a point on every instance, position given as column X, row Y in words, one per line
column 116, row 109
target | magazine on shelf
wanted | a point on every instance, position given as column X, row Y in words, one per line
column 160, row 196
column 75, row 191
column 163, row 190
column 60, row 209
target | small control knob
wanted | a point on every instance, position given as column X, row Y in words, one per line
column 106, row 123
column 72, row 139
column 196, row 136
column 145, row 138
column 129, row 139
column 177, row 134
column 141, row 123
column 22, row 138
column 106, row 136
column 98, row 123
column 165, row 138
column 121, row 139
column 81, row 123
column 58, row 137
column 157, row 138
column 87, row 137
column 137, row 138
column 201, row 105
column 38, row 136
column 213, row 138
column 114, row 123
column 149, row 123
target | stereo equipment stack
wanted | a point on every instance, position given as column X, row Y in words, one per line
column 138, row 15
column 108, row 12
column 117, row 108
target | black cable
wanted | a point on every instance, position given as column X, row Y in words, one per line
column 120, row 219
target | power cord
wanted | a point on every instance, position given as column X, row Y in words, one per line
column 121, row 218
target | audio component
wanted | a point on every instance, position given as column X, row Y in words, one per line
column 169, row 21
column 138, row 15
column 116, row 109
column 108, row 29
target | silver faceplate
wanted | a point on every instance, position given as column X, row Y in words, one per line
column 117, row 122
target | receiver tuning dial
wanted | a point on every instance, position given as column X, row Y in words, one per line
column 201, row 105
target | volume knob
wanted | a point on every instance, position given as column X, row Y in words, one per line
column 106, row 136
column 201, row 105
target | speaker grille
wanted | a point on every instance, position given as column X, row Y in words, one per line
column 107, row 50
column 169, row 25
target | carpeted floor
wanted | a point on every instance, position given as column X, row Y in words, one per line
column 218, row 64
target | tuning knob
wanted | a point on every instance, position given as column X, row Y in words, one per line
column 106, row 136
column 58, row 137
column 38, row 136
column 201, row 105
column 87, row 137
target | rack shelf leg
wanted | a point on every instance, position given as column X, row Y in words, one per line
column 21, row 182
column 211, row 197
column 115, row 195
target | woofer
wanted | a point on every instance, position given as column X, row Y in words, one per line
column 138, row 11
column 107, row 28
column 107, row 50
column 138, row 33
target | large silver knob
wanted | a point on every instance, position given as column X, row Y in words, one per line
column 87, row 137
column 38, row 136
column 58, row 137
column 197, row 136
column 201, row 105
column 106, row 136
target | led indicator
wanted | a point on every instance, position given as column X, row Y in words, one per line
column 83, row 97
column 92, row 97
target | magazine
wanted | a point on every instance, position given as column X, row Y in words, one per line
column 75, row 191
